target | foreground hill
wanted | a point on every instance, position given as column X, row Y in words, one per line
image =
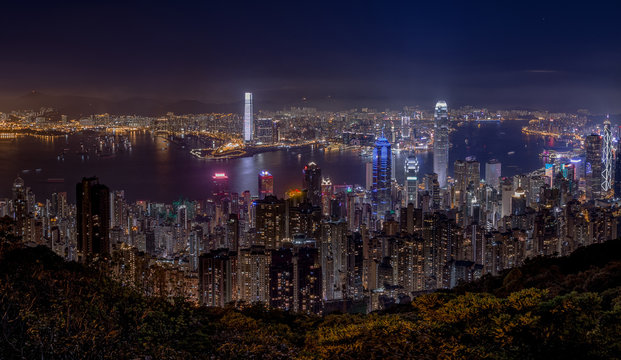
column 53, row 309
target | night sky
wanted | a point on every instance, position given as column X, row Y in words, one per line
column 526, row 54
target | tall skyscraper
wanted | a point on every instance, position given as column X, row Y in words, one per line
column 368, row 171
column 411, row 180
column 266, row 184
column 93, row 217
column 492, row 173
column 593, row 148
column 312, row 183
column 618, row 167
column 248, row 123
column 607, row 158
column 382, row 169
column 441, row 142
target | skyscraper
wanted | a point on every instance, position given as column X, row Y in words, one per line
column 593, row 149
column 248, row 123
column 93, row 217
column 270, row 222
column 607, row 158
column 492, row 173
column 266, row 184
column 618, row 168
column 411, row 180
column 441, row 142
column 312, row 183
column 220, row 184
column 382, row 169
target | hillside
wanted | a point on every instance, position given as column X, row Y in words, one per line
column 54, row 309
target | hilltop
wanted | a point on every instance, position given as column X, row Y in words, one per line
column 555, row 308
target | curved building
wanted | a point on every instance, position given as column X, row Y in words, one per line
column 441, row 142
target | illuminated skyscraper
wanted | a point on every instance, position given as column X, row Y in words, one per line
column 248, row 123
column 492, row 173
column 441, row 142
column 382, row 169
column 607, row 158
column 312, row 183
column 593, row 148
column 266, row 184
column 618, row 168
column 411, row 180
column 220, row 184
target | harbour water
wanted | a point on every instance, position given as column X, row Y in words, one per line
column 158, row 170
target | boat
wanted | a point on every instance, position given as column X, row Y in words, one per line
column 511, row 153
column 26, row 171
column 38, row 170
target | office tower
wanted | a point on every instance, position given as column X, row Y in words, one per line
column 264, row 131
column 327, row 192
column 473, row 173
column 312, row 183
column 220, row 183
column 270, row 222
column 266, row 184
column 382, row 169
column 411, row 180
column 368, row 171
column 507, row 191
column 492, row 173
column 405, row 127
column 248, row 123
column 518, row 202
column 593, row 148
column 93, row 217
column 459, row 174
column 618, row 170
column 216, row 278
column 441, row 142
column 607, row 158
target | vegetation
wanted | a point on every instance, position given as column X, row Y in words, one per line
column 568, row 308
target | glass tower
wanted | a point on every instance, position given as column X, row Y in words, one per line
column 411, row 180
column 441, row 142
column 248, row 117
column 382, row 169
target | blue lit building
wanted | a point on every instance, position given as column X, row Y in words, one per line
column 382, row 170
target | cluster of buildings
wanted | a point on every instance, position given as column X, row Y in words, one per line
column 328, row 247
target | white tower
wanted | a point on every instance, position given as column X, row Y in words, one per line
column 607, row 158
column 248, row 123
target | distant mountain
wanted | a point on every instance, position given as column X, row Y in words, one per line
column 74, row 106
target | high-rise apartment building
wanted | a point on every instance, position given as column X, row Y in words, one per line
column 93, row 217
column 312, row 183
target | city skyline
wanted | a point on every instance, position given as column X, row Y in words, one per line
column 310, row 180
